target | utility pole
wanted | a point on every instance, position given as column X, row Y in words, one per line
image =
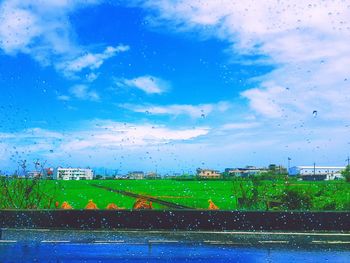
column 348, row 160
column 314, row 169
column 289, row 162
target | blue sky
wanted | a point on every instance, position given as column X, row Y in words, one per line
column 174, row 85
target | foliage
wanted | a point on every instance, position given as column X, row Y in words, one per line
column 184, row 177
column 274, row 169
column 347, row 206
column 293, row 199
column 24, row 193
column 346, row 173
column 329, row 206
column 271, row 176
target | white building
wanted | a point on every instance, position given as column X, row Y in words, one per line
column 152, row 175
column 34, row 174
column 247, row 171
column 136, row 175
column 317, row 173
column 208, row 173
column 74, row 174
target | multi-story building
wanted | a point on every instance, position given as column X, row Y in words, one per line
column 248, row 170
column 208, row 173
column 317, row 173
column 136, row 175
column 153, row 175
column 46, row 173
column 74, row 174
column 34, row 174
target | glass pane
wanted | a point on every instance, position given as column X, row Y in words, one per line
column 175, row 115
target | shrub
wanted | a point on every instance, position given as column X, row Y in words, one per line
column 293, row 199
column 346, row 173
column 332, row 205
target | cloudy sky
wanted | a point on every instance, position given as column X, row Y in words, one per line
column 174, row 85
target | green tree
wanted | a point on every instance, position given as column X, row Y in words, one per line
column 346, row 173
column 98, row 177
column 273, row 168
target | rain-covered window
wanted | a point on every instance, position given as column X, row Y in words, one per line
column 159, row 115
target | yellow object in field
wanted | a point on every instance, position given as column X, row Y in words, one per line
column 65, row 205
column 91, row 205
column 142, row 204
column 112, row 206
column 212, row 206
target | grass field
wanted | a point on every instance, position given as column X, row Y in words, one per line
column 331, row 195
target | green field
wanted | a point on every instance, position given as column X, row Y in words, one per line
column 315, row 196
column 237, row 194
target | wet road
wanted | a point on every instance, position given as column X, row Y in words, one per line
column 162, row 252
column 167, row 246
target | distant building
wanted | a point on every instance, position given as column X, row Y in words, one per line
column 74, row 174
column 34, row 174
column 153, row 175
column 208, row 173
column 233, row 171
column 109, row 177
column 248, row 170
column 317, row 173
column 49, row 173
column 136, row 175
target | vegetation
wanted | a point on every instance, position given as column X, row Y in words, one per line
column 292, row 199
column 346, row 173
column 26, row 193
column 252, row 193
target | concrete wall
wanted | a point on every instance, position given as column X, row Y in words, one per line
column 176, row 220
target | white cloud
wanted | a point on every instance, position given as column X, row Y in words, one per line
column 42, row 29
column 83, row 92
column 141, row 146
column 109, row 134
column 38, row 28
column 306, row 42
column 63, row 97
column 13, row 34
column 91, row 61
column 100, row 135
column 194, row 111
column 148, row 84
column 240, row 125
column 91, row 77
column 266, row 100
column 98, row 143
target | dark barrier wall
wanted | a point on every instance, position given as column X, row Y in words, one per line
column 176, row 220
